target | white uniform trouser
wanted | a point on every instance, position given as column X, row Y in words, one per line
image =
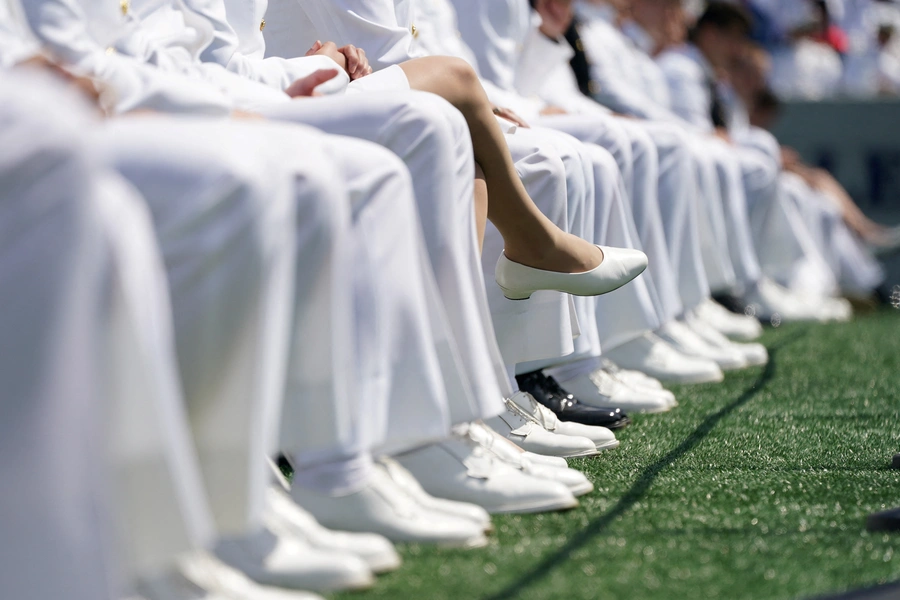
column 850, row 267
column 784, row 246
column 611, row 319
column 856, row 270
column 115, row 317
column 433, row 140
column 542, row 326
column 230, row 224
column 53, row 270
column 404, row 350
column 739, row 188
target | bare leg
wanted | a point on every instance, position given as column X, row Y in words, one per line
column 481, row 205
column 853, row 216
column 529, row 237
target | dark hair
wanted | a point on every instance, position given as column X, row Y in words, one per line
column 721, row 15
column 767, row 100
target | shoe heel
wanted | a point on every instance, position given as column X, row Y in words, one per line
column 511, row 295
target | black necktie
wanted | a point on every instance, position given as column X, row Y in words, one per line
column 580, row 64
column 717, row 107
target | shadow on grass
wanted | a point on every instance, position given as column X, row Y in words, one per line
column 647, row 477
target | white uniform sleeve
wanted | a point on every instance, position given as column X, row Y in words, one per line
column 690, row 97
column 125, row 83
column 385, row 29
column 238, row 44
column 613, row 89
column 495, row 31
column 16, row 42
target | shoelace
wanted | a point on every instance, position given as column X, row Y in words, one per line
column 605, row 382
column 517, row 410
column 539, row 414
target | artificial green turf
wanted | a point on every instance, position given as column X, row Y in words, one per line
column 755, row 488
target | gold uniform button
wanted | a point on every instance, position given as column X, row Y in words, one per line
column 414, row 30
column 110, row 51
column 262, row 24
column 124, row 6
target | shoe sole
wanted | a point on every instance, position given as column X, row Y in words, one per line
column 522, row 296
column 333, row 585
column 612, row 445
column 536, row 508
column 691, row 380
column 582, row 489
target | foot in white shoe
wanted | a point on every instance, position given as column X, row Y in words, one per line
column 686, row 341
column 384, row 508
column 740, row 328
column 619, row 266
column 463, row 510
column 526, row 432
column 459, row 469
column 630, row 378
column 601, row 388
column 277, row 559
column 375, row 550
column 514, row 456
column 653, row 356
column 603, row 438
column 754, row 355
column 200, row 576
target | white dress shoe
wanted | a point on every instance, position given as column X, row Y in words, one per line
column 512, row 455
column 603, row 438
column 755, row 355
column 199, row 576
column 768, row 301
column 459, row 469
column 619, row 266
column 375, row 550
column 685, row 340
column 601, row 389
column 537, row 459
column 463, row 510
column 277, row 559
column 740, row 328
column 527, row 433
column 384, row 508
column 653, row 356
column 629, row 377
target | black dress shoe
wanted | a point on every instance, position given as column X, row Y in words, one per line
column 548, row 392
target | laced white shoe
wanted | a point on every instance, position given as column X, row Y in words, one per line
column 383, row 507
column 460, row 469
column 755, row 355
column 656, row 358
column 630, row 378
column 740, row 328
column 768, row 301
column 601, row 388
column 376, row 551
column 200, row 576
column 603, row 438
column 410, row 485
column 685, row 340
column 512, row 455
column 278, row 559
column 528, row 433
